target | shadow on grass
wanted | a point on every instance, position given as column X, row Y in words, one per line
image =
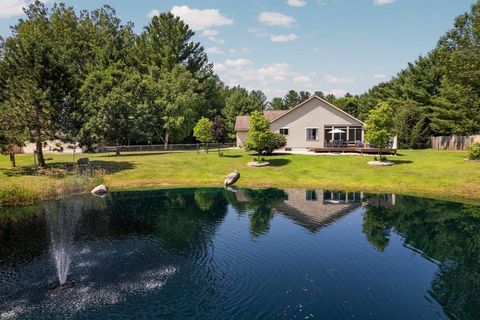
column 278, row 162
column 399, row 162
column 136, row 154
column 232, row 156
column 62, row 169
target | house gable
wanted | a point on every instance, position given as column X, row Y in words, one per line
column 319, row 102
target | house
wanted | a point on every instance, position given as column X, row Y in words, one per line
column 315, row 123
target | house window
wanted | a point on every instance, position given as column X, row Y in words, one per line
column 354, row 134
column 311, row 195
column 283, row 131
column 312, row 134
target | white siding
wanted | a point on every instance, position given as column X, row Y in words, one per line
column 313, row 114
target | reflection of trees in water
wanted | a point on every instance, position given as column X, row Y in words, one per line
column 446, row 232
column 181, row 219
column 261, row 202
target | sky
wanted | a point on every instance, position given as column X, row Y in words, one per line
column 335, row 46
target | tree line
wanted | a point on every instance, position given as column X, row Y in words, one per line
column 87, row 77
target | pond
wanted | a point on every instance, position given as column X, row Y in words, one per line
column 249, row 254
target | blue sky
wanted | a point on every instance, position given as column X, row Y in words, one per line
column 335, row 46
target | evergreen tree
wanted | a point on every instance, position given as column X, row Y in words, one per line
column 277, row 104
column 291, row 99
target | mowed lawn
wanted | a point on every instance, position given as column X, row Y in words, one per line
column 432, row 173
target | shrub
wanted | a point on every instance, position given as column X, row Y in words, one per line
column 474, row 152
column 260, row 138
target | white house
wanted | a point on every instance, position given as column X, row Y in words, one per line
column 315, row 123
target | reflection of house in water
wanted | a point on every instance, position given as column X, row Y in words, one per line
column 314, row 209
column 382, row 200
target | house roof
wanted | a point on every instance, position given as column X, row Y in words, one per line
column 324, row 101
column 242, row 122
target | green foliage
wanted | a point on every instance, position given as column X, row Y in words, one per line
column 203, row 130
column 348, row 104
column 240, row 102
column 260, row 138
column 277, row 104
column 474, row 152
column 110, row 99
column 380, row 126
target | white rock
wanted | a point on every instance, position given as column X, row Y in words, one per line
column 100, row 190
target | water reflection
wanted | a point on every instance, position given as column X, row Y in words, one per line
column 446, row 232
column 187, row 253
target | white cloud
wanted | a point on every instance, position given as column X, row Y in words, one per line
column 296, row 3
column 214, row 50
column 275, row 19
column 337, row 92
column 276, row 72
column 284, row 37
column 329, row 78
column 212, row 35
column 12, row 8
column 379, row 76
column 301, row 79
column 219, row 67
column 199, row 19
column 153, row 13
column 257, row 32
column 382, row 2
column 238, row 63
column 316, row 49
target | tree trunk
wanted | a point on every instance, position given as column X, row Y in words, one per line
column 12, row 158
column 166, row 140
column 38, row 138
column 40, row 158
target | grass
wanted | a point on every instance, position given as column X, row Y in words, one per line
column 430, row 173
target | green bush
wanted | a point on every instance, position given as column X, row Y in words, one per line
column 260, row 138
column 474, row 152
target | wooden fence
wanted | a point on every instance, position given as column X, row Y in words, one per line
column 453, row 142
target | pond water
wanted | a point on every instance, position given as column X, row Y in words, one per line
column 250, row 254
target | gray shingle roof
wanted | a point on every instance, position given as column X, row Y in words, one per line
column 242, row 122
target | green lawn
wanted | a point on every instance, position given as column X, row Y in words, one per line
column 437, row 174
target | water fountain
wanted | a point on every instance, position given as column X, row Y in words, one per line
column 62, row 217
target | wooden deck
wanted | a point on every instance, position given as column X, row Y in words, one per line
column 354, row 150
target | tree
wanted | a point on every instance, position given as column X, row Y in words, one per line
column 348, row 104
column 219, row 131
column 167, row 43
column 304, row 95
column 330, row 98
column 320, row 94
column 421, row 132
column 258, row 99
column 260, row 138
column 177, row 97
column 203, row 131
column 37, row 84
column 238, row 103
column 380, row 126
column 277, row 104
column 110, row 98
column 291, row 99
